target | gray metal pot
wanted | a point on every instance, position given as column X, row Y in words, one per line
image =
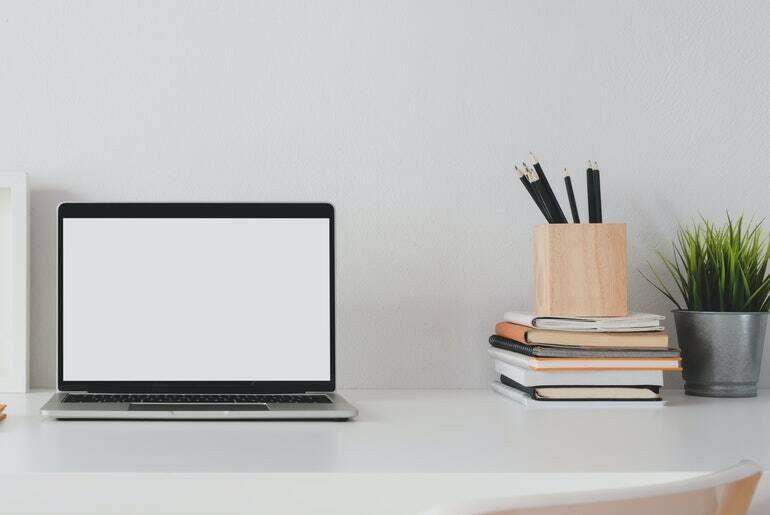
column 721, row 351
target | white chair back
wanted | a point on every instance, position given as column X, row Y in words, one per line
column 727, row 492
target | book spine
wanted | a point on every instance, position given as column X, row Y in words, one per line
column 512, row 331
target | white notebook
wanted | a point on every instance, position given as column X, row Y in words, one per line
column 634, row 322
column 528, row 377
column 527, row 401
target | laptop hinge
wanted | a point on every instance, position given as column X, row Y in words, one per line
column 162, row 393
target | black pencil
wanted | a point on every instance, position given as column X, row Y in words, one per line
column 539, row 192
column 598, row 193
column 531, row 192
column 571, row 196
column 537, row 187
column 591, row 197
column 552, row 203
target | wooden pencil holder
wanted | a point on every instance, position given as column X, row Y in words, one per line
column 580, row 270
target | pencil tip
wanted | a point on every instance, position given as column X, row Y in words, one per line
column 534, row 159
column 566, row 173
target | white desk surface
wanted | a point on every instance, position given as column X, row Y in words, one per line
column 415, row 431
column 417, row 448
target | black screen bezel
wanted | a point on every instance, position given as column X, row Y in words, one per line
column 194, row 210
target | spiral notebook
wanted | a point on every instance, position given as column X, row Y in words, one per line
column 555, row 351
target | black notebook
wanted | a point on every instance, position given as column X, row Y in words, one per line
column 587, row 393
column 551, row 351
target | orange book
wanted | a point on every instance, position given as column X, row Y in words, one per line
column 530, row 336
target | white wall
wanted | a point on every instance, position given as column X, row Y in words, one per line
column 408, row 116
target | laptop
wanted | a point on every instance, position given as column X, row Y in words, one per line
column 196, row 311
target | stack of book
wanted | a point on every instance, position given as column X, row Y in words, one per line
column 574, row 361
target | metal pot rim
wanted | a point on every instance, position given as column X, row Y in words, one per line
column 720, row 312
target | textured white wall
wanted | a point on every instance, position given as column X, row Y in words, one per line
column 407, row 115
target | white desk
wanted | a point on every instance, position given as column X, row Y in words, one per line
column 410, row 438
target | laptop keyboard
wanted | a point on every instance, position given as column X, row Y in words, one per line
column 171, row 398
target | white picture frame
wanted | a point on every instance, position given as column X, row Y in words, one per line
column 14, row 282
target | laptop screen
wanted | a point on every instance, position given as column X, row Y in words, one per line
column 195, row 299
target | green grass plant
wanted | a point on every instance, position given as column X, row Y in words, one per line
column 718, row 268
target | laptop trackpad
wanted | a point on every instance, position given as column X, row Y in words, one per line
column 196, row 407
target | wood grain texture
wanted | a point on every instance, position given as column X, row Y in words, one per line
column 580, row 270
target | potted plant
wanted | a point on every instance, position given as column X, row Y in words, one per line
column 721, row 273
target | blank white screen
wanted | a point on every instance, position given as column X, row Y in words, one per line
column 196, row 299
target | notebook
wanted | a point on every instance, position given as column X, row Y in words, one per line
column 587, row 393
column 524, row 334
column 631, row 323
column 543, row 364
column 556, row 351
column 529, row 402
column 527, row 377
